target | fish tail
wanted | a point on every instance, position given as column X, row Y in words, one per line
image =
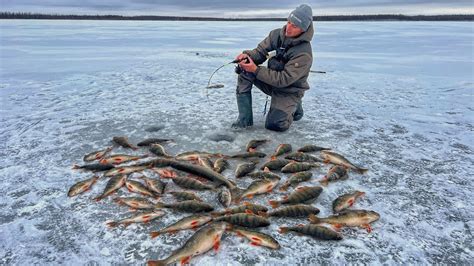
column 99, row 198
column 156, row 263
column 118, row 201
column 159, row 205
column 75, row 166
column 313, row 219
column 112, row 224
column 154, row 234
column 274, row 203
column 283, row 230
column 324, row 181
column 360, row 193
column 236, row 193
column 362, row 171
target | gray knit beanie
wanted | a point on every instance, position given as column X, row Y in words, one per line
column 302, row 17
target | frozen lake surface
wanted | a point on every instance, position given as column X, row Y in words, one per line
column 397, row 98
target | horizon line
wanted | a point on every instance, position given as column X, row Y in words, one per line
column 229, row 18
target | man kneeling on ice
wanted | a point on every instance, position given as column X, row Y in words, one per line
column 284, row 79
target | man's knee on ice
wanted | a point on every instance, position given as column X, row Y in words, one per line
column 278, row 120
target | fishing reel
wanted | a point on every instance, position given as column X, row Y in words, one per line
column 238, row 69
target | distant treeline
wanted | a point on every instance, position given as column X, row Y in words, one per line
column 19, row 15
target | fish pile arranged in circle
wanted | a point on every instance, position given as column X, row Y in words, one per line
column 199, row 171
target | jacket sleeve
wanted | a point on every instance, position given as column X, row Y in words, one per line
column 294, row 70
column 259, row 54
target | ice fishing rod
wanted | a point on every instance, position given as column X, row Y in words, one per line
column 236, row 61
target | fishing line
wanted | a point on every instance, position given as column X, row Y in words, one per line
column 236, row 61
column 209, row 82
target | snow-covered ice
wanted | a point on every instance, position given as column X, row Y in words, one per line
column 397, row 98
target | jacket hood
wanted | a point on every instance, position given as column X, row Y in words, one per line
column 306, row 36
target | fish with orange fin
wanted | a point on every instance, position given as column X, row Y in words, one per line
column 349, row 218
column 245, row 207
column 315, row 231
column 302, row 157
column 295, row 179
column 247, row 219
column 165, row 173
column 158, row 150
column 265, row 174
column 155, row 185
column 303, row 194
column 281, row 149
column 125, row 170
column 96, row 155
column 123, row 141
column 82, row 186
column 185, row 195
column 224, row 197
column 194, row 155
column 185, row 182
column 95, row 167
column 220, row 165
column 137, row 187
column 141, row 218
column 292, row 211
column 121, row 158
column 334, row 158
column 206, row 162
column 189, row 222
column 256, row 238
column 275, row 164
column 253, row 144
column 244, row 169
column 346, row 201
column 135, row 203
column 113, row 185
column 295, row 167
column 258, row 187
column 311, row 148
column 203, row 240
column 336, row 172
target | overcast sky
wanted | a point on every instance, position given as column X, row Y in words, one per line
column 238, row 8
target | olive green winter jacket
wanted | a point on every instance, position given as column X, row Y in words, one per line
column 290, row 72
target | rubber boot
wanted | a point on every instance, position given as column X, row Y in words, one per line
column 299, row 112
column 244, row 104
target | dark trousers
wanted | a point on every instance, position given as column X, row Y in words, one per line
column 282, row 107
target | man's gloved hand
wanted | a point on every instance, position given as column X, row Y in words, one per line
column 248, row 65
